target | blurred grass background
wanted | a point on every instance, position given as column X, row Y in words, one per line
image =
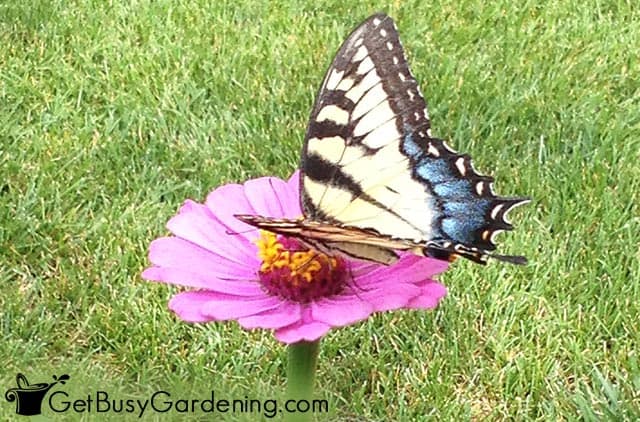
column 113, row 113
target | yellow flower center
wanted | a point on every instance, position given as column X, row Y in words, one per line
column 295, row 272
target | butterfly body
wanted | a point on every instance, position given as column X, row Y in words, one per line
column 329, row 238
column 373, row 179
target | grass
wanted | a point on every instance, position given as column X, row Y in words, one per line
column 111, row 114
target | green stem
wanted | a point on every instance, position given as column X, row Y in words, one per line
column 301, row 369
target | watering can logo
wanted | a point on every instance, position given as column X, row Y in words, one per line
column 28, row 397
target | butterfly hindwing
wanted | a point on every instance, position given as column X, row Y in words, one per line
column 369, row 160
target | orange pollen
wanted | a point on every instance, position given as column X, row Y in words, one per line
column 294, row 272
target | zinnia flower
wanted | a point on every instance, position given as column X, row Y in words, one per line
column 268, row 281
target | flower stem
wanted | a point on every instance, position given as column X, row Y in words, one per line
column 301, row 369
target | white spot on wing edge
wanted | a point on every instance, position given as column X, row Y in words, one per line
column 448, row 148
column 389, row 45
column 496, row 210
column 383, row 32
column 433, row 150
column 376, row 21
column 462, row 169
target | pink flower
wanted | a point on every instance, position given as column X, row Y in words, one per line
column 267, row 281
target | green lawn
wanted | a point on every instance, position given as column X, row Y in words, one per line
column 113, row 113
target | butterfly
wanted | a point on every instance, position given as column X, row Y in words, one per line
column 373, row 179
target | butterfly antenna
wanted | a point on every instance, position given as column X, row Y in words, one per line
column 235, row 233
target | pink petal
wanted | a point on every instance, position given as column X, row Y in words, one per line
column 340, row 312
column 220, row 198
column 358, row 269
column 286, row 313
column 174, row 252
column 228, row 200
column 262, row 197
column 196, row 223
column 391, row 297
column 187, row 306
column 234, row 307
column 410, row 268
column 289, row 199
column 431, row 293
column 302, row 331
column 202, row 281
column 289, row 195
column 293, row 184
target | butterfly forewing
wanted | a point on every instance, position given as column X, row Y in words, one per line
column 354, row 170
column 369, row 160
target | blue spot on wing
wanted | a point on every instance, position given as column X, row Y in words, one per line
column 460, row 189
column 462, row 230
column 465, row 208
column 433, row 171
column 410, row 148
column 429, row 169
column 464, row 219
